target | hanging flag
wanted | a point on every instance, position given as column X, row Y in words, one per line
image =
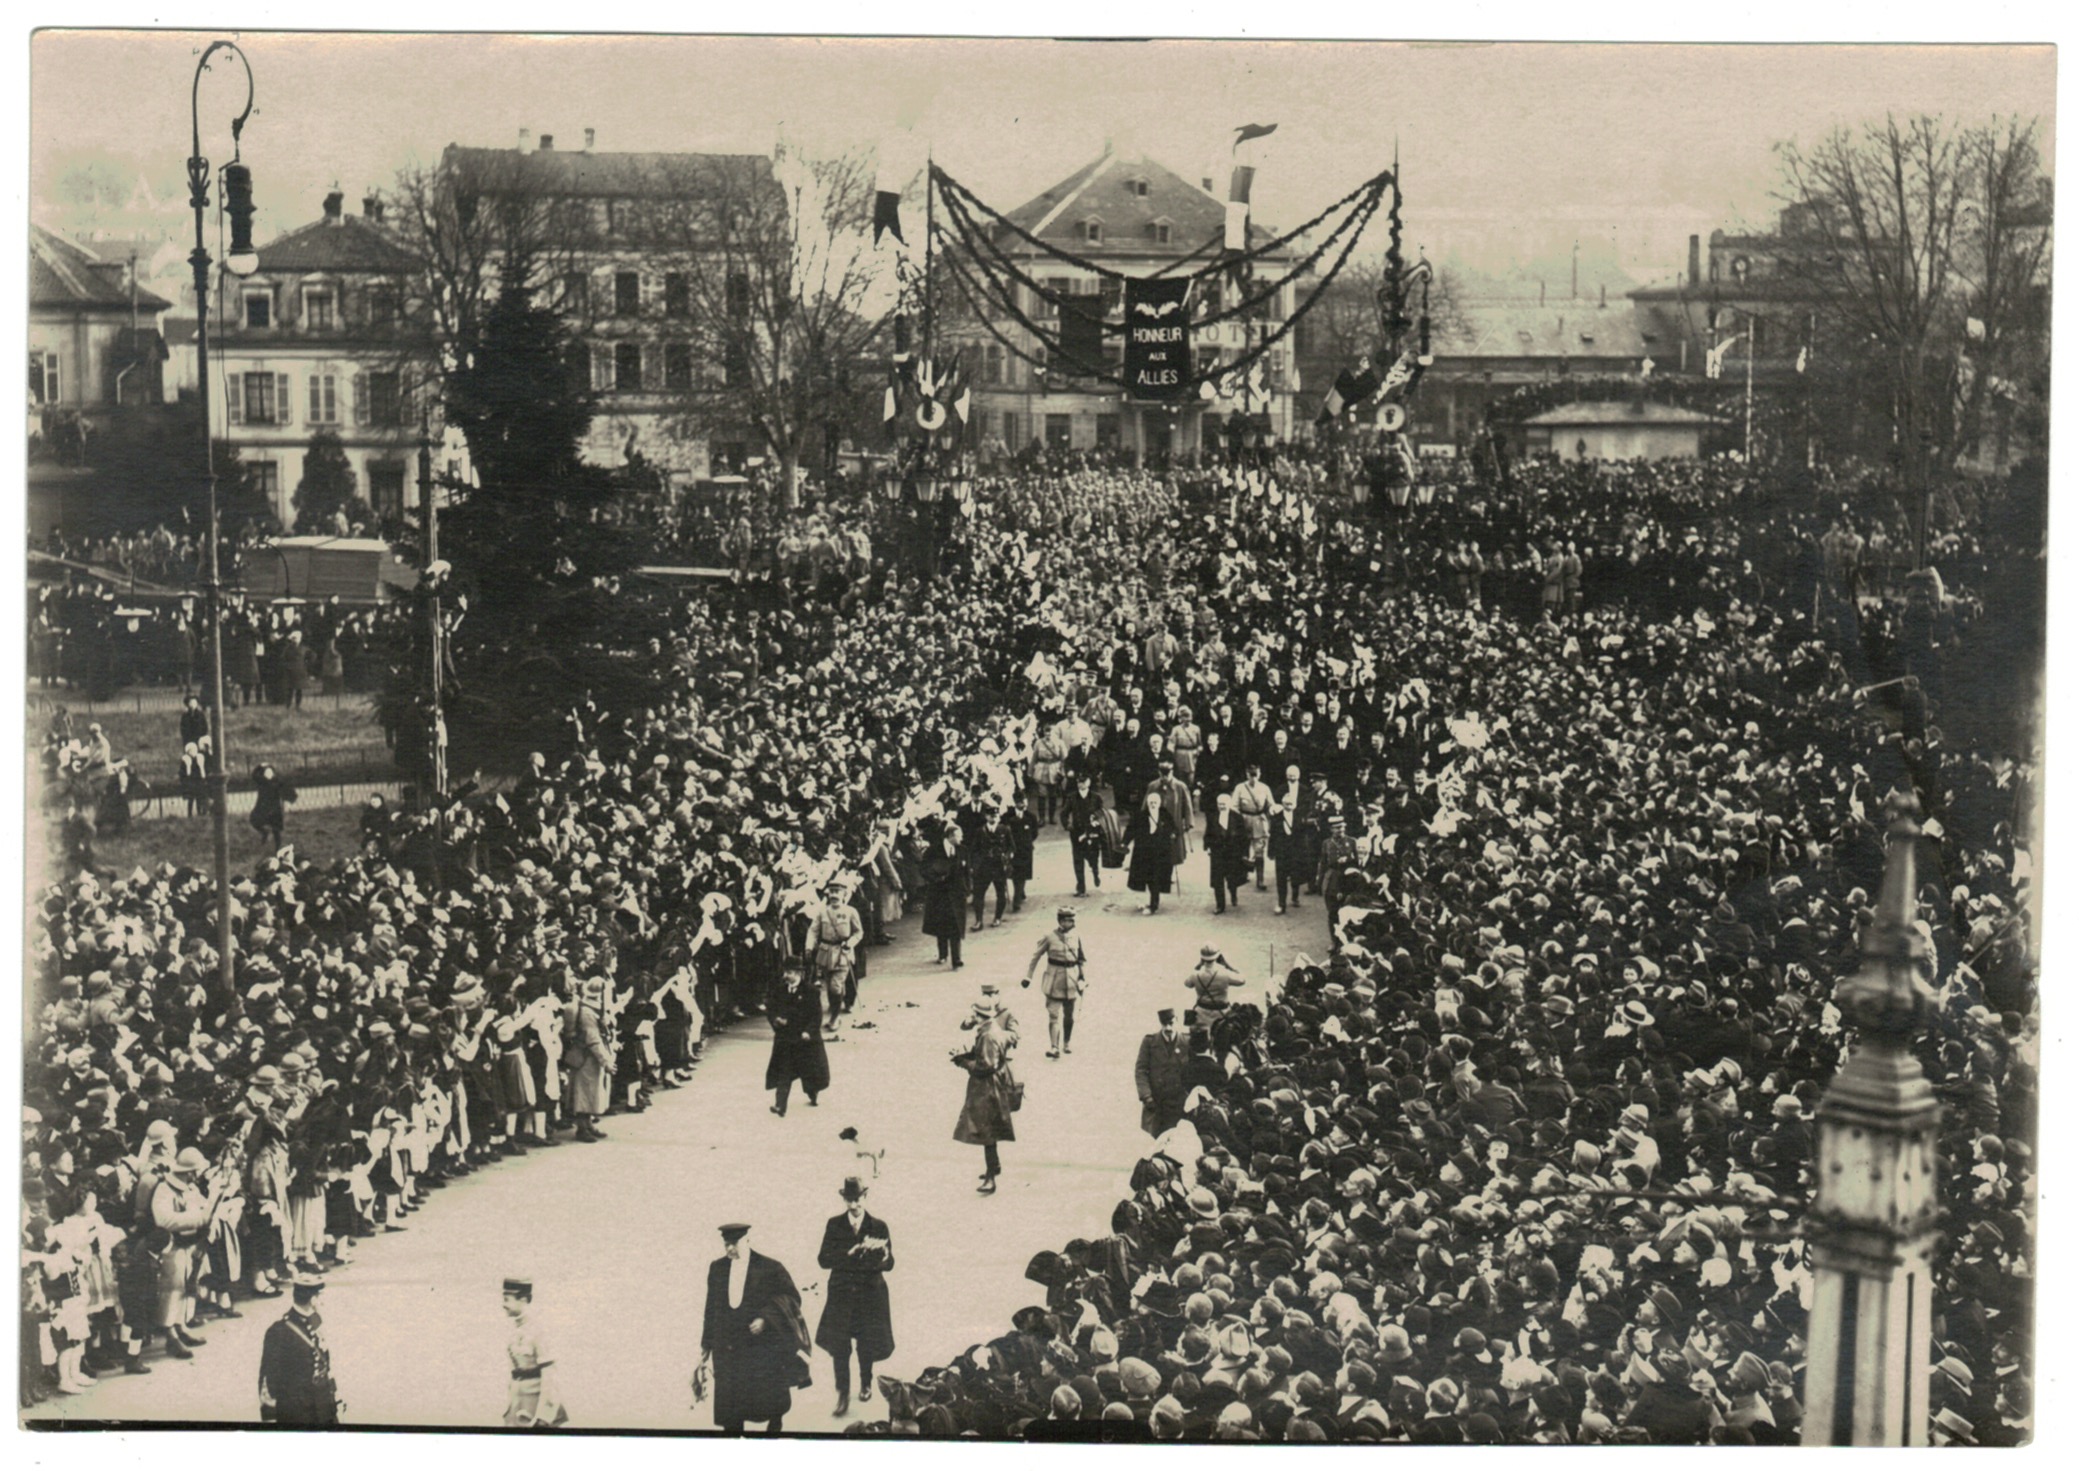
column 1339, row 396
column 1365, row 384
column 1646, row 368
column 1714, row 360
column 1400, row 375
column 888, row 404
column 1804, row 358
column 1248, row 131
column 960, row 404
column 887, row 216
column 1158, row 338
column 1238, row 186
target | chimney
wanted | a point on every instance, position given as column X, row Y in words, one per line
column 1696, row 268
column 1206, row 183
column 334, row 203
column 548, row 144
column 526, row 137
column 372, row 208
column 590, row 135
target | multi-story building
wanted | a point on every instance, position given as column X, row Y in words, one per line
column 1133, row 216
column 94, row 334
column 315, row 340
column 632, row 276
column 1741, row 283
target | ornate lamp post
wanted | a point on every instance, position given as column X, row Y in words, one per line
column 1873, row 1213
column 241, row 261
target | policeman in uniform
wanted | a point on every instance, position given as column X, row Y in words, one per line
column 295, row 1366
column 1062, row 950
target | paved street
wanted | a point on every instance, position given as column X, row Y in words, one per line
column 618, row 1237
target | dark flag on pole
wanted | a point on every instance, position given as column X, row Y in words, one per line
column 886, row 216
column 1082, row 334
column 1253, row 130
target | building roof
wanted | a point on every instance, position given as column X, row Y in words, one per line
column 341, row 243
column 1108, row 191
column 586, row 175
column 1562, row 329
column 1583, row 415
column 62, row 274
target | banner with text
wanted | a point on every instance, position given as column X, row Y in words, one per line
column 1158, row 340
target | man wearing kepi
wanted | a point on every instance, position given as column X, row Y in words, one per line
column 1062, row 950
column 295, row 1366
column 857, row 1254
column 753, row 1337
column 1158, row 1073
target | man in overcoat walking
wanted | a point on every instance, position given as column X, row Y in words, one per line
column 752, row 1336
column 857, row 1254
column 1158, row 1074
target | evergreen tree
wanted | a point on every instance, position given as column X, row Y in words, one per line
column 545, row 617
column 327, row 487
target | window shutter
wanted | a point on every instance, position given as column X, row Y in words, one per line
column 283, row 412
column 317, row 402
column 55, row 389
column 360, row 398
column 234, row 399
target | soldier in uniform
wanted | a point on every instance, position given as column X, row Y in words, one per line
column 1062, row 950
column 295, row 1366
column 1158, row 1075
column 836, row 937
column 530, row 1403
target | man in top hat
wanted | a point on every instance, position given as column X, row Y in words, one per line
column 1062, row 950
column 752, row 1335
column 1158, row 1075
column 296, row 1385
column 857, row 1254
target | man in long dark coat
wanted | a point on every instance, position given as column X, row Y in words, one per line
column 753, row 1336
column 857, row 1254
column 295, row 1366
column 1158, row 1075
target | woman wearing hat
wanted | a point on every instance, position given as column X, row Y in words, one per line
column 985, row 1113
column 531, row 1401
column 178, row 1215
column 271, row 796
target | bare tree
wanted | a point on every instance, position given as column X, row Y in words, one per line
column 1917, row 227
column 782, row 292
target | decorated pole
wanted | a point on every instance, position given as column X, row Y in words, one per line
column 1872, row 1225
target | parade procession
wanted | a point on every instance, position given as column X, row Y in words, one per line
column 1462, row 794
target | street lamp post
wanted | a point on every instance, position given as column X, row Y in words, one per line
column 437, row 730
column 241, row 260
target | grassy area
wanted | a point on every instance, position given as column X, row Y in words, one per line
column 342, row 741
column 322, row 835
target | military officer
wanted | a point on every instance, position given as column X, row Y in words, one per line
column 296, row 1385
column 1062, row 950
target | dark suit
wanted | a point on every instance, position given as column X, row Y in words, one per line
column 296, row 1374
column 755, row 1373
column 1158, row 1074
column 855, row 1305
column 1227, row 852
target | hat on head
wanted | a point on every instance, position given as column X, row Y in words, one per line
column 854, row 1188
column 306, row 1283
column 1166, row 1015
column 520, row 1287
column 1064, row 912
column 189, row 1162
column 1139, row 1379
column 735, row 1231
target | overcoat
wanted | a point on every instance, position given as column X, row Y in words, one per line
column 796, row 1015
column 985, row 1114
column 855, row 1304
column 1154, row 843
column 593, row 1067
column 945, row 894
column 755, row 1374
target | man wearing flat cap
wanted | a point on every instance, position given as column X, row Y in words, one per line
column 1158, row 1075
column 753, row 1336
column 857, row 1254
column 296, row 1385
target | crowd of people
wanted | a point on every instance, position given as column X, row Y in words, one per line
column 1588, row 860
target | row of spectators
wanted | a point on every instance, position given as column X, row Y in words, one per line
column 1527, row 1160
column 1623, row 855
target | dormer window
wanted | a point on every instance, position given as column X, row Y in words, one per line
column 1093, row 232
column 259, row 307
column 318, row 308
column 1137, row 187
column 1162, row 231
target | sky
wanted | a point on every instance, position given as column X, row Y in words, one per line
column 1506, row 148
